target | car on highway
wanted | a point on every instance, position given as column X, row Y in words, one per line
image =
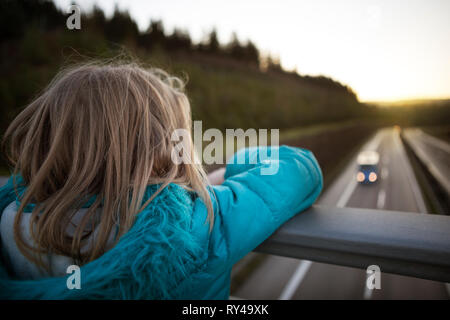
column 367, row 167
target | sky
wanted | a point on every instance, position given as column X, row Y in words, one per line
column 385, row 50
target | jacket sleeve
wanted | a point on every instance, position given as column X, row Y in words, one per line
column 261, row 194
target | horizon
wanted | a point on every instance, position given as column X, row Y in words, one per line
column 410, row 101
column 384, row 51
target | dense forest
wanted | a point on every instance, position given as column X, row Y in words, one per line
column 230, row 85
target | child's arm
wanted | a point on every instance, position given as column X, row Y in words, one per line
column 252, row 206
column 217, row 176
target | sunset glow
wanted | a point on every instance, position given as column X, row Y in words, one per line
column 384, row 50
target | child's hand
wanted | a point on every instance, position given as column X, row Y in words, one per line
column 216, row 177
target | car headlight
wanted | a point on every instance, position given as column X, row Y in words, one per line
column 360, row 176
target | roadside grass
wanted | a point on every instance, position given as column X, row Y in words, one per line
column 237, row 96
column 440, row 132
column 296, row 133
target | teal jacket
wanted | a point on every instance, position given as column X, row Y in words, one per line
column 170, row 251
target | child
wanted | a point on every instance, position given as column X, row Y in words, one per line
column 94, row 186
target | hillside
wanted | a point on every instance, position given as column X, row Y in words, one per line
column 229, row 85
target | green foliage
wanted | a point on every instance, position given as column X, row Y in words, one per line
column 415, row 113
column 226, row 86
column 229, row 85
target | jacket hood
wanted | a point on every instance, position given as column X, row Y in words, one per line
column 148, row 262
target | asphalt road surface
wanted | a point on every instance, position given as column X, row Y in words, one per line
column 396, row 189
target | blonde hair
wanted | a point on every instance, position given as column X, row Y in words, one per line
column 99, row 130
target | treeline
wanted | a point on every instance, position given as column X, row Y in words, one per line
column 419, row 113
column 16, row 16
column 229, row 85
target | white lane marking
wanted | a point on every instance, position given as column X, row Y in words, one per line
column 348, row 191
column 345, row 196
column 375, row 142
column 332, row 195
column 384, row 173
column 295, row 280
column 381, row 199
column 411, row 177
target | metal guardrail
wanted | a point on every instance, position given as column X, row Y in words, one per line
column 409, row 244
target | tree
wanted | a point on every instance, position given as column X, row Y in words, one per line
column 179, row 40
column 98, row 18
column 153, row 36
column 251, row 53
column 121, row 27
column 213, row 45
column 235, row 49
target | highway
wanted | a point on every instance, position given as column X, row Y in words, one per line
column 396, row 189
